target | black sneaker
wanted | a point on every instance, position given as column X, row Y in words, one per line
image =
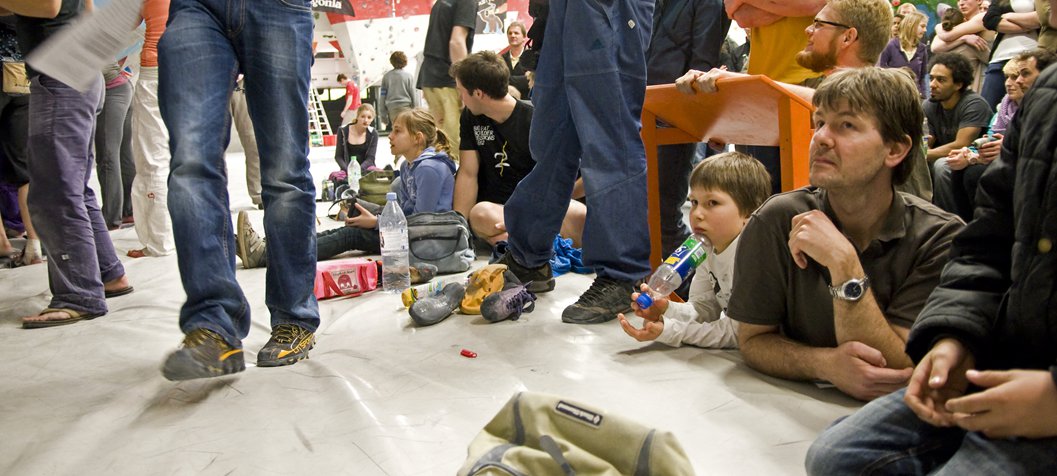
column 541, row 279
column 289, row 344
column 601, row 302
column 203, row 354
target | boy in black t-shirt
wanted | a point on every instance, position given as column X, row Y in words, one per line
column 495, row 148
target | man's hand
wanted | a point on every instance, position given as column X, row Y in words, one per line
column 699, row 81
column 814, row 235
column 653, row 315
column 1017, row 403
column 958, row 159
column 989, row 151
column 365, row 219
column 860, row 371
column 939, row 377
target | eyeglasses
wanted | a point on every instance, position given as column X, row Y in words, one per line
column 817, row 24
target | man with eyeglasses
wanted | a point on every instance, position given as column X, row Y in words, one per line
column 843, row 34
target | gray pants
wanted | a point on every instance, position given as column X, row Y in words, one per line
column 109, row 137
column 81, row 256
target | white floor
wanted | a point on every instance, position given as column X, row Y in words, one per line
column 379, row 396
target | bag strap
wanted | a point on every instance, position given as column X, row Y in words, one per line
column 329, row 284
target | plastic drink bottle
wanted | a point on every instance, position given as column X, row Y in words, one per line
column 673, row 271
column 422, row 291
column 353, row 174
column 392, row 228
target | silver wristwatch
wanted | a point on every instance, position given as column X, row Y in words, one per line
column 851, row 290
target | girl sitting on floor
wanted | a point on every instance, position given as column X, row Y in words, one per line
column 427, row 181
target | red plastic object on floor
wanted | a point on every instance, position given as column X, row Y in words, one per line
column 468, row 354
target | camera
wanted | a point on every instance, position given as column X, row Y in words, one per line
column 979, row 142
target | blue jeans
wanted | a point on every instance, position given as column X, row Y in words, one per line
column 994, row 87
column 886, row 437
column 206, row 44
column 347, row 238
column 955, row 190
column 81, row 256
column 588, row 97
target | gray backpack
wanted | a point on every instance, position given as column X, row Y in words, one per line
column 441, row 239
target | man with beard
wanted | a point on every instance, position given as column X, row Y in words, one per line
column 956, row 114
column 844, row 34
column 836, row 273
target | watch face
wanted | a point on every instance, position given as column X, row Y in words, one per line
column 853, row 290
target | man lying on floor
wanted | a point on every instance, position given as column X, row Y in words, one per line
column 831, row 276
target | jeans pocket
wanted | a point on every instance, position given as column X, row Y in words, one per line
column 298, row 5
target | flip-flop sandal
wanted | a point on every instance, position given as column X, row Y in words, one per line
column 118, row 292
column 74, row 317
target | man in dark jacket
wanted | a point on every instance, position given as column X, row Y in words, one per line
column 687, row 34
column 992, row 324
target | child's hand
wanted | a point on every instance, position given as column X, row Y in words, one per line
column 651, row 330
column 365, row 219
column 652, row 313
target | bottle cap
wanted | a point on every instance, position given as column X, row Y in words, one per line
column 391, row 196
column 644, row 301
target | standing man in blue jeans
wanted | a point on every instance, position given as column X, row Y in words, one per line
column 590, row 84
column 83, row 268
column 206, row 45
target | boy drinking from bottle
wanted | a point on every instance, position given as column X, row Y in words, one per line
column 724, row 191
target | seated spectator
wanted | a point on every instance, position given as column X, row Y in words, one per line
column 724, row 191
column 983, row 397
column 495, row 155
column 956, row 186
column 427, row 177
column 956, row 114
column 830, row 277
column 962, row 31
column 908, row 50
column 515, row 34
column 358, row 141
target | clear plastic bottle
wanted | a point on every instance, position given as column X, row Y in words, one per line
column 392, row 228
column 673, row 271
column 925, row 133
column 353, row 174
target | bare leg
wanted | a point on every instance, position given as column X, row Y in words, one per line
column 573, row 224
column 486, row 220
column 5, row 245
column 32, row 253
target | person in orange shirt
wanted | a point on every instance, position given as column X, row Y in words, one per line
column 150, row 144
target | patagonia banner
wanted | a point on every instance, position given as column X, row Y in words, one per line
column 343, row 7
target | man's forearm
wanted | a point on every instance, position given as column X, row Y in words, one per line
column 789, row 8
column 778, row 356
column 465, row 194
column 32, row 8
column 863, row 321
column 749, row 16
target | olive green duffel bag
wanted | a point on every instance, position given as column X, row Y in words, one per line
column 539, row 434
